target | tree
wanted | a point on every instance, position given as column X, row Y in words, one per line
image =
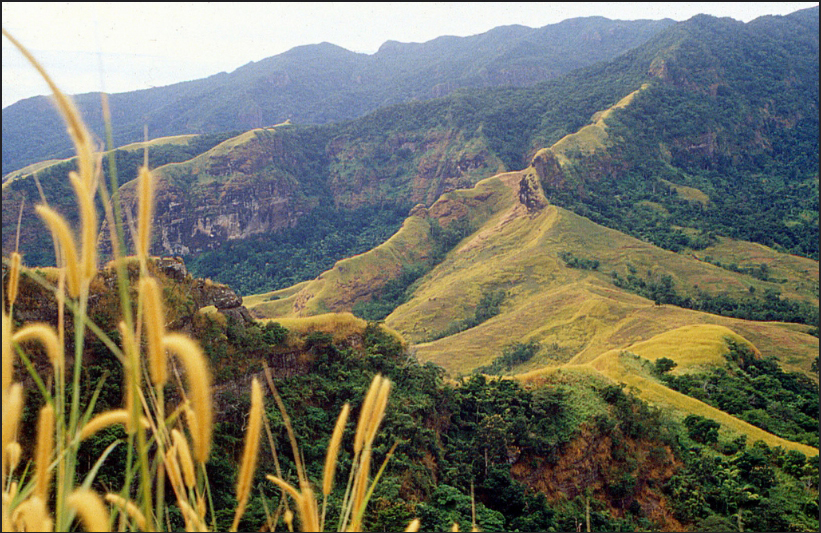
column 702, row 429
column 664, row 365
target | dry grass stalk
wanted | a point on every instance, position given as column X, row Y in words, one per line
column 305, row 504
column 249, row 454
column 192, row 519
column 90, row 508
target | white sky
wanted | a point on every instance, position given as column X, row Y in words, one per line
column 127, row 46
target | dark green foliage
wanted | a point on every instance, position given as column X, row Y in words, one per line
column 273, row 333
column 757, row 391
column 314, row 244
column 664, row 365
column 770, row 306
column 713, row 491
column 702, row 123
column 400, row 289
column 395, row 292
column 488, row 307
column 445, row 238
column 702, row 429
column 512, row 355
column 572, row 261
column 760, row 271
column 453, row 436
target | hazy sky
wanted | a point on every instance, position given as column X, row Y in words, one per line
column 127, row 46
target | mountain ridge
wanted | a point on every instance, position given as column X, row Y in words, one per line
column 342, row 85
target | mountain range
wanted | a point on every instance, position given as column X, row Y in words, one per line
column 323, row 83
column 641, row 215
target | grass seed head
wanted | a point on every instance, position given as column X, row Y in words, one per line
column 186, row 462
column 130, row 508
column 14, row 277
column 8, row 355
column 365, row 413
column 154, row 319
column 65, row 240
column 132, row 372
column 45, row 445
column 31, row 515
column 13, row 453
column 199, row 385
column 47, row 337
column 106, row 419
column 378, row 411
column 12, row 407
column 249, row 454
column 90, row 508
column 333, row 450
column 146, row 199
column 88, row 224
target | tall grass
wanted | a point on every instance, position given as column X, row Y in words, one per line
column 165, row 451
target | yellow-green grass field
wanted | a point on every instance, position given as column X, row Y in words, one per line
column 688, row 193
column 612, row 364
column 582, row 320
column 697, row 346
column 800, row 273
column 342, row 326
column 579, row 310
column 592, row 137
column 360, row 276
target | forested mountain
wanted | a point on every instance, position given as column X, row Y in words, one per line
column 719, row 138
column 322, row 83
column 596, row 296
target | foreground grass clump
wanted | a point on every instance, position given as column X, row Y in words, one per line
column 167, row 444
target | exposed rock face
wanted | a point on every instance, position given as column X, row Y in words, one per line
column 530, row 194
column 223, row 297
column 548, row 169
column 173, row 267
column 191, row 223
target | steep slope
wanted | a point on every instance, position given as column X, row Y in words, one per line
column 22, row 190
column 325, row 83
column 581, row 320
column 722, row 139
